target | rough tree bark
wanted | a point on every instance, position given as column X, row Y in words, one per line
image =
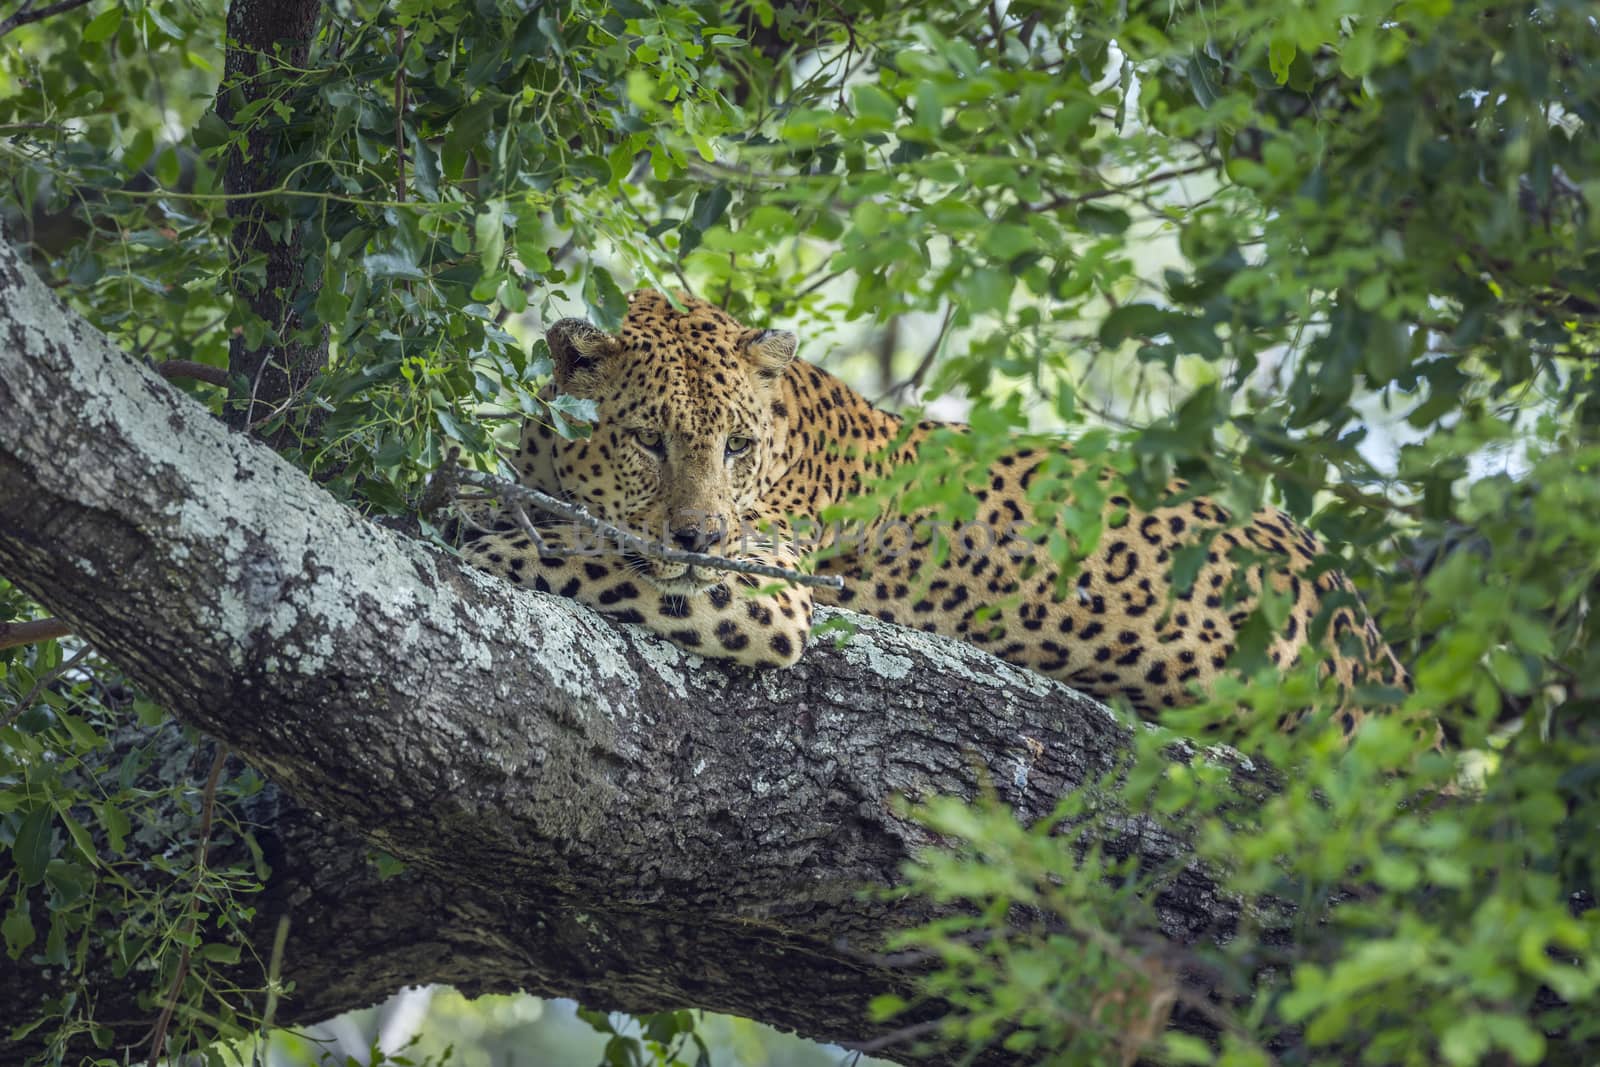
column 261, row 34
column 585, row 810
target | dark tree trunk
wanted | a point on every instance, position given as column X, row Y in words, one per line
column 262, row 35
column 584, row 809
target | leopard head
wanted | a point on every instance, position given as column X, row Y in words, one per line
column 684, row 425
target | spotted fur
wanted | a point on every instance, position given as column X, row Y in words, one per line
column 706, row 427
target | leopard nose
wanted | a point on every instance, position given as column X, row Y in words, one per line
column 696, row 538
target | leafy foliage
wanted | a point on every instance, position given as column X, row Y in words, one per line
column 1338, row 256
column 75, row 769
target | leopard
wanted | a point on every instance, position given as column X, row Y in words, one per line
column 715, row 438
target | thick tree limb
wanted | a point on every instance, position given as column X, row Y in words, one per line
column 585, row 810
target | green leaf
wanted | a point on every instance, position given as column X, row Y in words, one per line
column 114, row 821
column 1007, row 240
column 872, row 102
column 83, row 735
column 148, row 712
column 1280, row 54
column 1100, row 219
column 388, row 866
column 990, row 290
column 79, row 835
column 210, row 131
column 606, row 302
column 598, row 1021
column 392, row 265
column 581, row 409
column 32, row 848
column 70, row 881
column 168, row 168
column 1183, row 1050
column 140, row 152
column 710, row 205
column 17, row 927
column 1465, row 1041
column 1516, row 1036
column 885, row 1006
column 1132, row 320
column 1358, row 53
column 425, row 168
column 591, row 168
column 448, row 424
column 489, row 237
column 218, row 953
column 102, row 26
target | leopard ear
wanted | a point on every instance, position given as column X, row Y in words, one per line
column 770, row 351
column 577, row 348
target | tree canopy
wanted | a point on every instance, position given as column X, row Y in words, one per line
column 1343, row 257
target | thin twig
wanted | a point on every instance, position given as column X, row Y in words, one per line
column 400, row 114
column 1343, row 490
column 27, row 15
column 208, row 800
column 442, row 488
column 13, row 634
column 926, row 363
column 1113, row 190
column 894, row 1037
column 533, row 534
column 274, row 973
column 818, row 283
column 188, row 368
column 43, row 680
column 633, row 543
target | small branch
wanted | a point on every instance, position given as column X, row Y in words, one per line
column 30, row 127
column 818, row 283
column 280, row 938
column 442, row 487
column 13, row 634
column 631, row 542
column 1113, row 190
column 905, row 1033
column 1343, row 490
column 888, row 344
column 998, row 30
column 925, row 364
column 188, row 368
column 44, row 679
column 27, row 15
column 208, row 801
column 400, row 115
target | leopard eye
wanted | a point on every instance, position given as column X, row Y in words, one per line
column 738, row 446
column 648, row 439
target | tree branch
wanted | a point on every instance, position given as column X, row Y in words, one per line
column 27, row 14
column 584, row 809
column 280, row 368
column 13, row 634
column 208, row 802
column 1160, row 177
column 188, row 368
column 624, row 540
column 400, row 114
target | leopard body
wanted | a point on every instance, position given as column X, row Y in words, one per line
column 714, row 437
